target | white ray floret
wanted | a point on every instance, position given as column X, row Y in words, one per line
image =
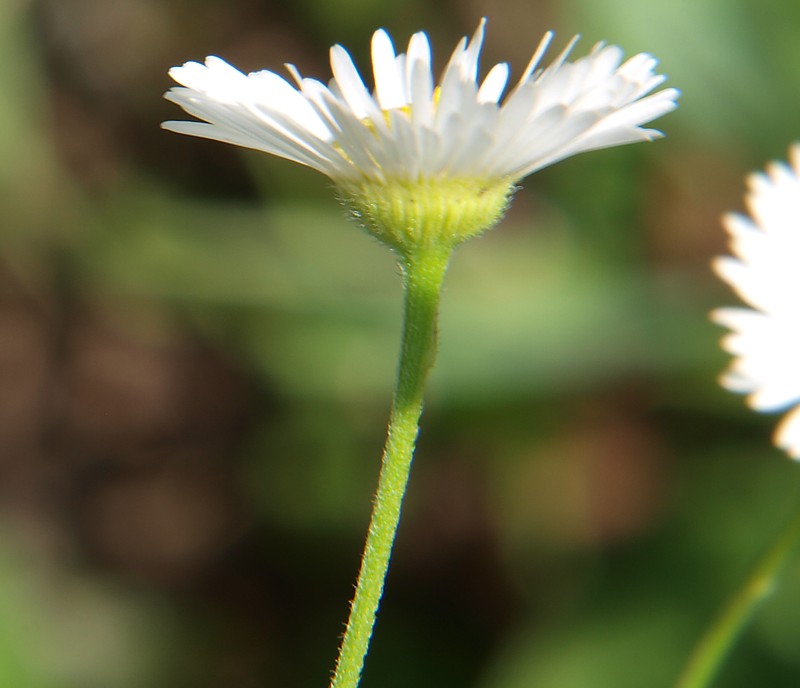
column 764, row 270
column 408, row 128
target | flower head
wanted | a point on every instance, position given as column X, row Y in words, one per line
column 765, row 272
column 462, row 137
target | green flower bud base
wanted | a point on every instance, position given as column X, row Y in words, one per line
column 430, row 213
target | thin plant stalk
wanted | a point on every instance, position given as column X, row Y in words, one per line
column 423, row 273
column 714, row 646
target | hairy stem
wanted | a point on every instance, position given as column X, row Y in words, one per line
column 422, row 280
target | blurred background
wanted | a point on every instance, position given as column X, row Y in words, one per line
column 197, row 353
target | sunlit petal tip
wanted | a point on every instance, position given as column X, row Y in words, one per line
column 214, row 62
column 419, row 48
column 538, row 54
column 382, row 36
column 494, row 84
column 564, row 54
column 383, row 54
column 672, row 94
column 787, row 434
column 654, row 134
column 794, row 156
column 294, row 73
column 469, row 62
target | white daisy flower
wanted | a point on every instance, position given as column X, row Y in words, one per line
column 764, row 272
column 411, row 148
column 409, row 128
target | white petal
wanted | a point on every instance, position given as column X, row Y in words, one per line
column 421, row 92
column 418, row 60
column 787, row 435
column 538, row 55
column 493, row 85
column 409, row 128
column 350, row 83
column 469, row 59
column 389, row 87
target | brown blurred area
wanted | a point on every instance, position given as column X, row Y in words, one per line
column 118, row 424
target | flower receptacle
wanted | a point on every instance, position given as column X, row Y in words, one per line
column 427, row 214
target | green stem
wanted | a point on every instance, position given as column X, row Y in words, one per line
column 718, row 640
column 422, row 280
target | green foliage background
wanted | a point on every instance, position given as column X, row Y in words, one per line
column 197, row 353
